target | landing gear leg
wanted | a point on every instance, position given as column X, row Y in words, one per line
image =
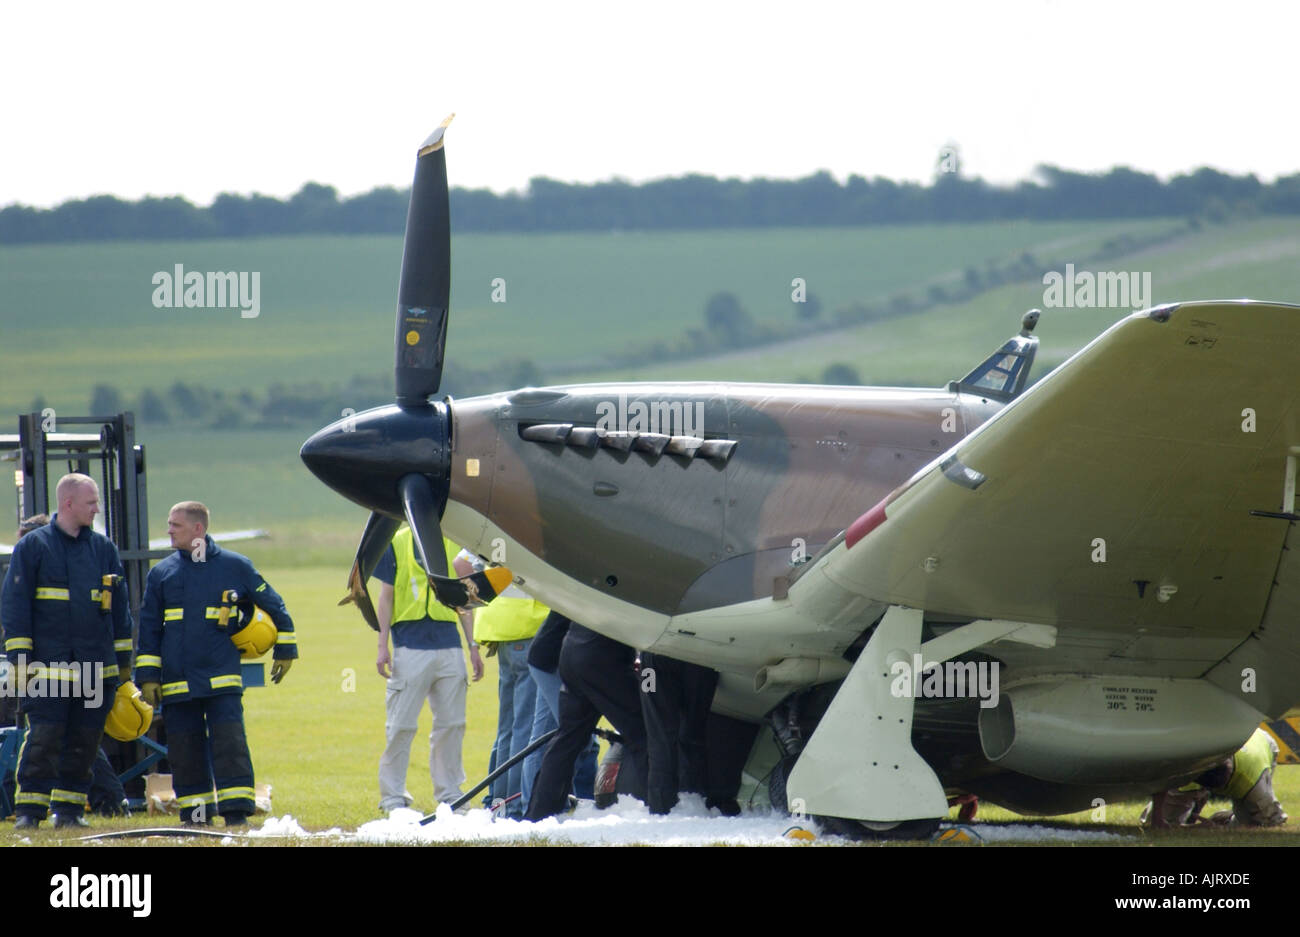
column 859, row 764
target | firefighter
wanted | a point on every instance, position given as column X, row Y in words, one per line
column 68, row 636
column 189, row 663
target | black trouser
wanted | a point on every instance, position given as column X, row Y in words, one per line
column 598, row 680
column 729, row 742
column 54, row 766
column 675, row 700
column 106, row 794
column 206, row 747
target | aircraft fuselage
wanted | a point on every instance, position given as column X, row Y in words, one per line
column 671, row 534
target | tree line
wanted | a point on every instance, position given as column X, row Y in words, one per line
column 284, row 405
column 687, row 202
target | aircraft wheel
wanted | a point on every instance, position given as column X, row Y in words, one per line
column 776, row 792
column 776, row 781
column 859, row 830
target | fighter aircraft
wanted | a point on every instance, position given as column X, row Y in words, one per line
column 1052, row 598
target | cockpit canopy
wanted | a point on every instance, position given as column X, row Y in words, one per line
column 1005, row 373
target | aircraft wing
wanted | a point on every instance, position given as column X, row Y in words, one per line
column 1113, row 500
column 162, row 543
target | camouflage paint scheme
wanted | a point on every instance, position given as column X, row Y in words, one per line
column 684, row 534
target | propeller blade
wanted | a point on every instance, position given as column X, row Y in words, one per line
column 452, row 591
column 374, row 540
column 425, row 287
column 422, row 513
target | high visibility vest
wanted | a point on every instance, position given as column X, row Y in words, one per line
column 1249, row 764
column 412, row 597
column 511, row 616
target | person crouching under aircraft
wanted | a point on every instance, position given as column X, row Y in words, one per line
column 1246, row 778
column 675, row 701
column 598, row 679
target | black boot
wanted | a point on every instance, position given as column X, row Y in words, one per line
column 62, row 820
column 727, row 805
column 26, row 823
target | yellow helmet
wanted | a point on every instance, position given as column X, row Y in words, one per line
column 256, row 637
column 130, row 716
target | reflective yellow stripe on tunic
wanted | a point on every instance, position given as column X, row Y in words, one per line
column 54, row 673
column 171, row 689
column 148, row 660
column 123, row 645
column 48, row 592
column 173, row 614
column 286, row 637
column 18, row 644
column 225, row 680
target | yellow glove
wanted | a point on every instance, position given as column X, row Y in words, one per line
column 279, row 668
column 152, row 694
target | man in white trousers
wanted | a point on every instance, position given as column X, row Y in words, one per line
column 426, row 662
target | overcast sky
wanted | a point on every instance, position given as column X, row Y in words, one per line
column 162, row 98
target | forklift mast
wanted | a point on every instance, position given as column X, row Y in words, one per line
column 119, row 467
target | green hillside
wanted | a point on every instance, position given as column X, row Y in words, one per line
column 1256, row 260
column 77, row 315
column 74, row 316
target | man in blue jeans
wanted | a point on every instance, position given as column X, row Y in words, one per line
column 507, row 625
column 544, row 666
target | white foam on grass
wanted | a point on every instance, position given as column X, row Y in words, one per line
column 279, row 826
column 629, row 822
column 288, row 826
column 1032, row 833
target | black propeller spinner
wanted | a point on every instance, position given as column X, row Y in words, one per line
column 396, row 460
